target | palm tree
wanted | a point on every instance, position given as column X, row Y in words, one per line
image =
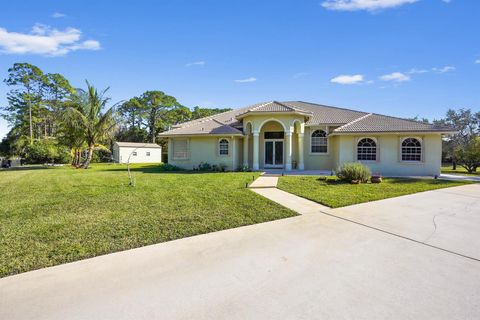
column 85, row 115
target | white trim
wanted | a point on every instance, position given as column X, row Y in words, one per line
column 228, row 150
column 377, row 149
column 310, row 143
column 275, row 120
column 422, row 150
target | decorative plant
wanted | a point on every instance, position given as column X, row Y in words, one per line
column 353, row 172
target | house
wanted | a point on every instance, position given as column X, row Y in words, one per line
column 135, row 152
column 296, row 135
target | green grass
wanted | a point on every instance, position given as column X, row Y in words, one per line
column 333, row 193
column 460, row 170
column 57, row 215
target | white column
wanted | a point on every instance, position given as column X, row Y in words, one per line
column 288, row 151
column 301, row 165
column 256, row 146
column 245, row 150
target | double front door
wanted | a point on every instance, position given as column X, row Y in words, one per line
column 274, row 153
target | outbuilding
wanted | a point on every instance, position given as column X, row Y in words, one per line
column 137, row 152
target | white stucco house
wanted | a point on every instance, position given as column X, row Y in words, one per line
column 137, row 152
column 296, row 135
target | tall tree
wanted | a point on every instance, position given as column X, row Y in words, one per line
column 86, row 114
column 467, row 123
column 156, row 104
column 28, row 82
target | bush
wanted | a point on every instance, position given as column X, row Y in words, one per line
column 169, row 167
column 46, row 151
column 204, row 166
column 353, row 172
column 101, row 155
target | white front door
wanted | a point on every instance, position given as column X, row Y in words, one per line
column 274, row 153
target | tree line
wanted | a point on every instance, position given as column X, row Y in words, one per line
column 51, row 121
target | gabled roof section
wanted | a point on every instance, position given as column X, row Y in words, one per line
column 204, row 127
column 379, row 123
column 322, row 114
column 272, row 107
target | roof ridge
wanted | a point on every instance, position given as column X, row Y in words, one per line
column 260, row 105
column 404, row 119
column 353, row 121
column 328, row 106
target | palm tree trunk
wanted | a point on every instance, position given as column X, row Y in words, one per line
column 74, row 159
column 89, row 157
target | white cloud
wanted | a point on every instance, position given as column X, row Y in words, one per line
column 477, row 61
column 395, row 77
column 196, row 63
column 348, row 79
column 444, row 69
column 369, row 5
column 447, row 1
column 251, row 79
column 58, row 15
column 417, row 71
column 45, row 40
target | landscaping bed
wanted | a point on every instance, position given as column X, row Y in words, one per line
column 57, row 215
column 333, row 193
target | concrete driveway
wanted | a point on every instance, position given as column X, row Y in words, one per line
column 314, row 266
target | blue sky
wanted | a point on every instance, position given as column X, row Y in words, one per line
column 396, row 57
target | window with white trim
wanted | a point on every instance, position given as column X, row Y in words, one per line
column 134, row 153
column 319, row 142
column 223, row 147
column 367, row 149
column 148, row 153
column 180, row 149
column 411, row 149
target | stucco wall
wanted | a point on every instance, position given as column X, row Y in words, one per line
column 389, row 155
column 319, row 161
column 205, row 149
column 121, row 154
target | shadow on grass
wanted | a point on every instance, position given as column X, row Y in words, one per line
column 157, row 169
column 27, row 167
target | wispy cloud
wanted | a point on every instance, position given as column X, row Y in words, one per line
column 348, row 79
column 196, row 63
column 58, row 15
column 447, row 1
column 300, row 75
column 369, row 5
column 417, row 71
column 251, row 79
column 477, row 61
column 395, row 77
column 444, row 69
column 45, row 40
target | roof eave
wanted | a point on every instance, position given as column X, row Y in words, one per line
column 391, row 132
column 243, row 115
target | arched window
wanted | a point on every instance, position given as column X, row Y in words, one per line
column 367, row 149
column 411, row 150
column 223, row 147
column 319, row 142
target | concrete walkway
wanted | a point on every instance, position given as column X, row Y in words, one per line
column 266, row 185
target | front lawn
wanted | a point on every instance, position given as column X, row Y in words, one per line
column 334, row 193
column 460, row 170
column 57, row 215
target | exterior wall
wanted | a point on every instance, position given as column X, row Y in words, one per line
column 121, row 154
column 389, row 155
column 319, row 161
column 205, row 149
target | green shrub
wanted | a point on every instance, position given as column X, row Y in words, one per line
column 204, row 166
column 169, row 167
column 101, row 155
column 46, row 151
column 353, row 172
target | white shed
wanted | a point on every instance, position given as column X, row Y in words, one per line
column 137, row 152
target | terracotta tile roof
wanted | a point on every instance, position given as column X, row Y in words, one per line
column 351, row 121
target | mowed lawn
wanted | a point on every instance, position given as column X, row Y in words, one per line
column 334, row 193
column 459, row 170
column 58, row 215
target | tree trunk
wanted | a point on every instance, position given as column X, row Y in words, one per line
column 79, row 157
column 454, row 164
column 89, row 157
column 30, row 116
